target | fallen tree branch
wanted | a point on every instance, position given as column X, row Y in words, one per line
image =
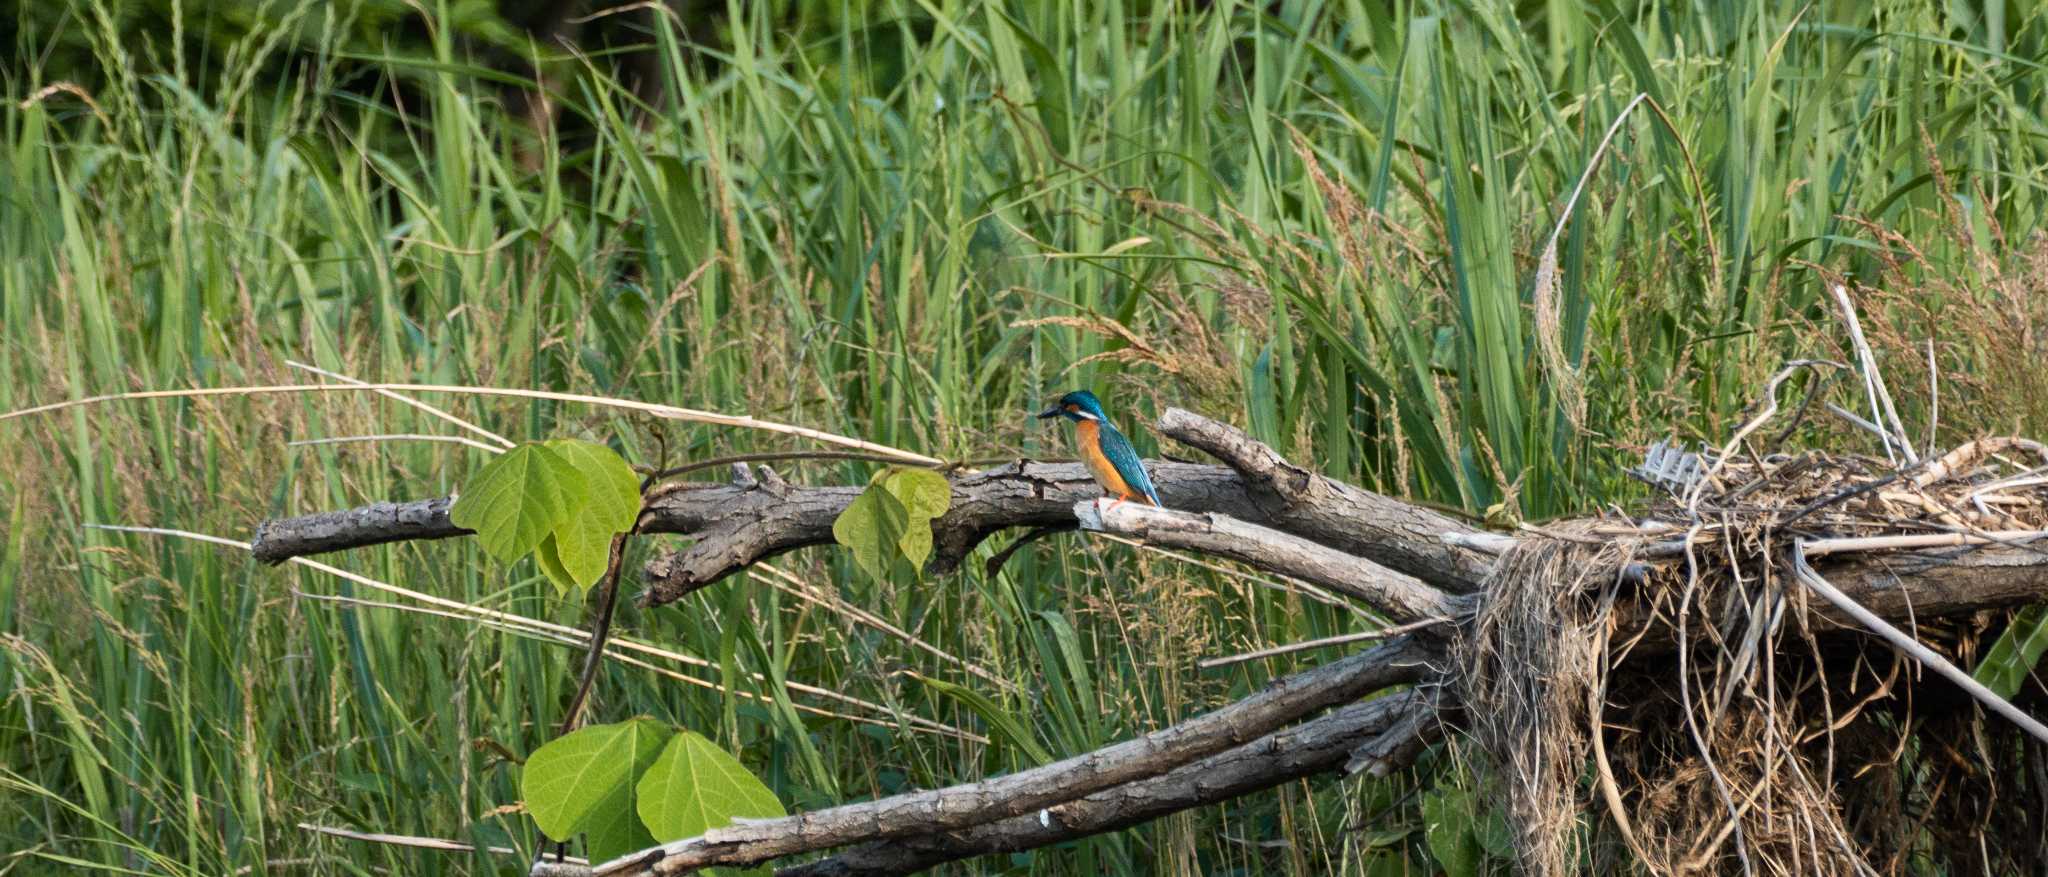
column 750, row 519
column 1285, row 701
column 1317, row 746
column 1387, row 531
column 1401, row 598
column 1898, row 639
column 277, row 541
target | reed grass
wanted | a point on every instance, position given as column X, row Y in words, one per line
column 909, row 226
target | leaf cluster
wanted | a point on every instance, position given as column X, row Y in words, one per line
column 632, row 784
column 562, row 501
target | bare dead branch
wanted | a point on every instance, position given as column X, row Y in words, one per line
column 1316, row 746
column 958, row 807
column 1394, row 534
column 1386, row 724
column 1402, row 598
column 375, row 524
column 751, row 519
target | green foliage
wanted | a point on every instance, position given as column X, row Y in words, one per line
column 563, row 501
column 888, row 527
column 1447, row 824
column 588, row 781
column 1467, row 838
column 582, row 538
column 518, row 499
column 2011, row 659
column 1013, row 728
column 631, row 784
column 695, row 786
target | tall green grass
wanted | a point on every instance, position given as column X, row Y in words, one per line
column 912, row 224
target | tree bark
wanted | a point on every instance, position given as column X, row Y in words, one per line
column 1318, row 746
column 1401, row 598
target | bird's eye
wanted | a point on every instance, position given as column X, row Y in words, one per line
column 1072, row 407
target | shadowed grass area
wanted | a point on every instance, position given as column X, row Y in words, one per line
column 912, row 225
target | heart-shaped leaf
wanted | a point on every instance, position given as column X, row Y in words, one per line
column 695, row 786
column 889, row 525
column 614, row 490
column 872, row 527
column 585, row 781
column 583, row 538
column 517, row 499
column 925, row 495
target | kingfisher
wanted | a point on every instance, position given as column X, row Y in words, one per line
column 1109, row 456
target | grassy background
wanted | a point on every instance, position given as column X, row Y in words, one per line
column 912, row 223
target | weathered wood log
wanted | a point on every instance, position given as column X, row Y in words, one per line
column 1320, row 745
column 1395, row 534
column 1400, row 597
column 1399, row 662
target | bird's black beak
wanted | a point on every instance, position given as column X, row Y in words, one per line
column 1054, row 411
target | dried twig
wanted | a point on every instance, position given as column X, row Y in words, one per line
column 415, row 842
column 398, row 397
column 671, row 412
column 397, row 437
column 1899, row 640
column 1324, row 643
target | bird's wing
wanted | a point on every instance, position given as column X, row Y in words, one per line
column 1125, row 458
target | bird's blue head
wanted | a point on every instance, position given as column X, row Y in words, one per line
column 1077, row 406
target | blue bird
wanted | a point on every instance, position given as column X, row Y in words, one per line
column 1109, row 456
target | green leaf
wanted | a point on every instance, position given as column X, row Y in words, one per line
column 870, row 526
column 614, row 490
column 583, row 538
column 1447, row 825
column 695, row 786
column 583, row 781
column 925, row 495
column 2005, row 667
column 889, row 525
column 547, row 556
column 517, row 499
column 1005, row 723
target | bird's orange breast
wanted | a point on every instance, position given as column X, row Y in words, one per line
column 1088, row 440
